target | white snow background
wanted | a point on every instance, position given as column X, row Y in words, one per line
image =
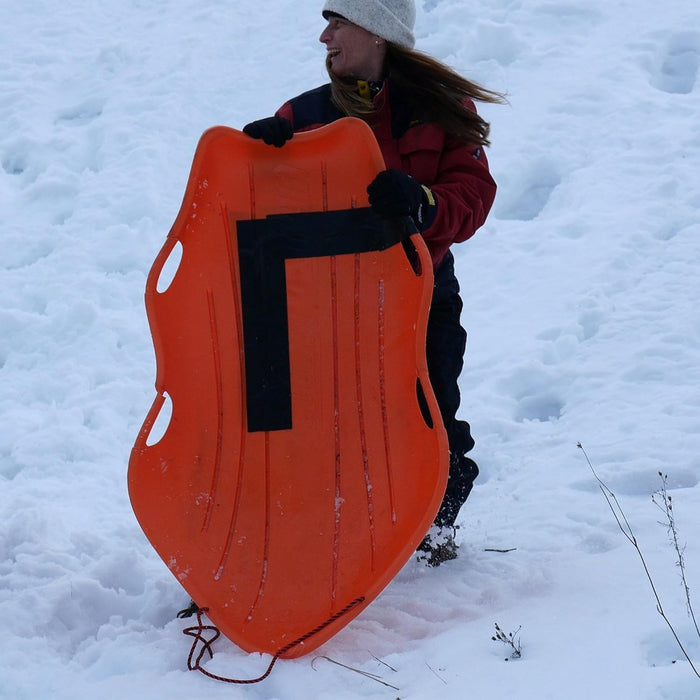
column 581, row 301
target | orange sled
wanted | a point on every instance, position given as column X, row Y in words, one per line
column 304, row 458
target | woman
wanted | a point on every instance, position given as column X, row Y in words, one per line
column 432, row 140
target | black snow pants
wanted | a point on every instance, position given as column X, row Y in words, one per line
column 446, row 344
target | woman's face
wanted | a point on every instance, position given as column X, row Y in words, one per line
column 353, row 52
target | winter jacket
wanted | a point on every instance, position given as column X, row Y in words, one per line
column 457, row 174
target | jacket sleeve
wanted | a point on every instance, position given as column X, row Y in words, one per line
column 286, row 111
column 310, row 110
column 464, row 191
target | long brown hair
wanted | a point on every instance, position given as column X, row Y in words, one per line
column 434, row 93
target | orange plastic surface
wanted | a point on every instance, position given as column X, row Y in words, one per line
column 276, row 530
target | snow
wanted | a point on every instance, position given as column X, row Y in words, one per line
column 581, row 301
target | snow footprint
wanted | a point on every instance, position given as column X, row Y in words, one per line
column 676, row 67
column 81, row 113
column 644, row 481
column 525, row 193
column 536, row 393
column 14, row 162
column 19, row 158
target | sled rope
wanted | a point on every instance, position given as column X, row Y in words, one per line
column 194, row 664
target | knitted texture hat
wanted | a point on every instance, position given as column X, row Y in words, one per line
column 392, row 20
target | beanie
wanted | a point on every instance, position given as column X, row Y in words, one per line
column 392, row 20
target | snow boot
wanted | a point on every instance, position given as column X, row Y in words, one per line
column 438, row 546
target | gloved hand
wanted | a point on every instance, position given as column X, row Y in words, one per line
column 394, row 193
column 274, row 131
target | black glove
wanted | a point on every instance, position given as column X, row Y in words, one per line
column 274, row 131
column 393, row 193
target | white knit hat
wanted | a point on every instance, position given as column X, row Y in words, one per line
column 392, row 20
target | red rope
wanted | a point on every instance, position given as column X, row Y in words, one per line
column 198, row 634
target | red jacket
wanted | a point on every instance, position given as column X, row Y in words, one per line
column 457, row 174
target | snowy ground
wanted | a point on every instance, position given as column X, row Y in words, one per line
column 581, row 300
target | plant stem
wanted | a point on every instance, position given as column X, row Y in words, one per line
column 627, row 531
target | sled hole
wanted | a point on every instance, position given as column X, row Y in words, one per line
column 170, row 268
column 423, row 404
column 412, row 256
column 162, row 421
